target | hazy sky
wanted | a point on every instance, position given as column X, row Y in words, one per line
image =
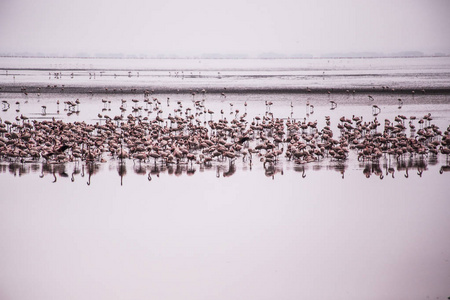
column 189, row 27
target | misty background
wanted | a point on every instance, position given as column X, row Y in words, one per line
column 234, row 28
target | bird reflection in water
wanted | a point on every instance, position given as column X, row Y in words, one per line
column 16, row 168
column 443, row 169
column 226, row 172
column 53, row 169
column 389, row 170
column 381, row 168
column 373, row 168
column 340, row 167
column 418, row 164
column 270, row 169
column 76, row 170
column 191, row 170
column 153, row 172
column 300, row 168
column 179, row 170
column 140, row 169
column 91, row 168
column 122, row 171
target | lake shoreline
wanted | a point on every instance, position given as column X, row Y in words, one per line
column 141, row 89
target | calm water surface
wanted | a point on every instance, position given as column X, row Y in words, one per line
column 327, row 229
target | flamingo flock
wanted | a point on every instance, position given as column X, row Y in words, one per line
column 182, row 138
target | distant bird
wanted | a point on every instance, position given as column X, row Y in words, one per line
column 333, row 104
column 375, row 110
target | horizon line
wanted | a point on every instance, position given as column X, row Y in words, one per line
column 262, row 55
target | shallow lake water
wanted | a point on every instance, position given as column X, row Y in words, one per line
column 327, row 229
